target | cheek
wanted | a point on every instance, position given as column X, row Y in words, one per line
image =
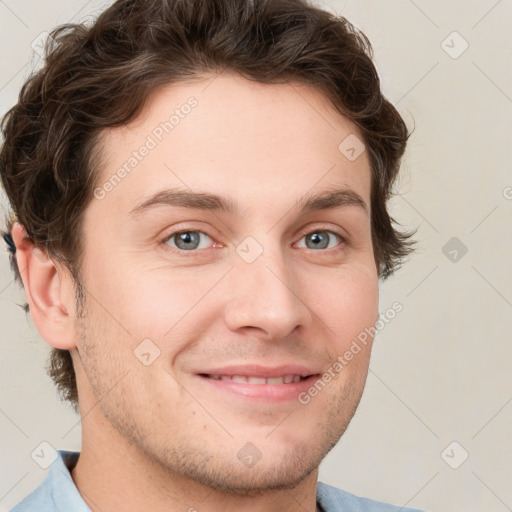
column 142, row 299
column 162, row 305
column 349, row 306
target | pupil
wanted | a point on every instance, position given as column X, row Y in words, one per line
column 317, row 239
column 187, row 238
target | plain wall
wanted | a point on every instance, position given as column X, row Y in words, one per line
column 441, row 370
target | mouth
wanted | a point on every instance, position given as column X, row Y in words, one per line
column 285, row 379
column 276, row 389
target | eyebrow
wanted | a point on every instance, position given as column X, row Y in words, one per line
column 205, row 201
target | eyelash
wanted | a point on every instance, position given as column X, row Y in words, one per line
column 193, row 252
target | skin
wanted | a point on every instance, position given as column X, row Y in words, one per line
column 157, row 437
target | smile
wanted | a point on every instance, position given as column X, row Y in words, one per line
column 286, row 379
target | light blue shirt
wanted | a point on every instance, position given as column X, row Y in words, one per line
column 58, row 493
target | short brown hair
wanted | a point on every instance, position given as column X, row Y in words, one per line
column 99, row 76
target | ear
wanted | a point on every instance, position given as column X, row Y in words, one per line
column 49, row 290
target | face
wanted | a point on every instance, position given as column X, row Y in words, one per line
column 180, row 288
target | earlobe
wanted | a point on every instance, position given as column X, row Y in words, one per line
column 48, row 291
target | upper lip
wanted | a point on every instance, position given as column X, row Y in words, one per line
column 254, row 370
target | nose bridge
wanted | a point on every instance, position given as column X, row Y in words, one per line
column 265, row 294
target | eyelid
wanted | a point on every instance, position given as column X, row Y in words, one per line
column 322, row 227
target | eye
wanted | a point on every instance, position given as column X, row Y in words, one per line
column 188, row 240
column 320, row 239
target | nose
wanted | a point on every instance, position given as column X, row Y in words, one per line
column 267, row 298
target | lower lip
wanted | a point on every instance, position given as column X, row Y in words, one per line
column 262, row 392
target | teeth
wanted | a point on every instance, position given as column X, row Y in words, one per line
column 286, row 379
column 275, row 380
column 253, row 380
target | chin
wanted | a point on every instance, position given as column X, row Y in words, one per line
column 279, row 469
column 255, row 482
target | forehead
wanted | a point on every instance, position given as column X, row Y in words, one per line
column 232, row 137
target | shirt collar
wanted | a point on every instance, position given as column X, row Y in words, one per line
column 60, row 486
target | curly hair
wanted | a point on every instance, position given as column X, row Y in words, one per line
column 99, row 75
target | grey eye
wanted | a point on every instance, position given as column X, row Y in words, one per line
column 187, row 240
column 319, row 239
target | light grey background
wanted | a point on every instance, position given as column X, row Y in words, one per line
column 441, row 370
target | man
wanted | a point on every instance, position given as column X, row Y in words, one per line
column 199, row 191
